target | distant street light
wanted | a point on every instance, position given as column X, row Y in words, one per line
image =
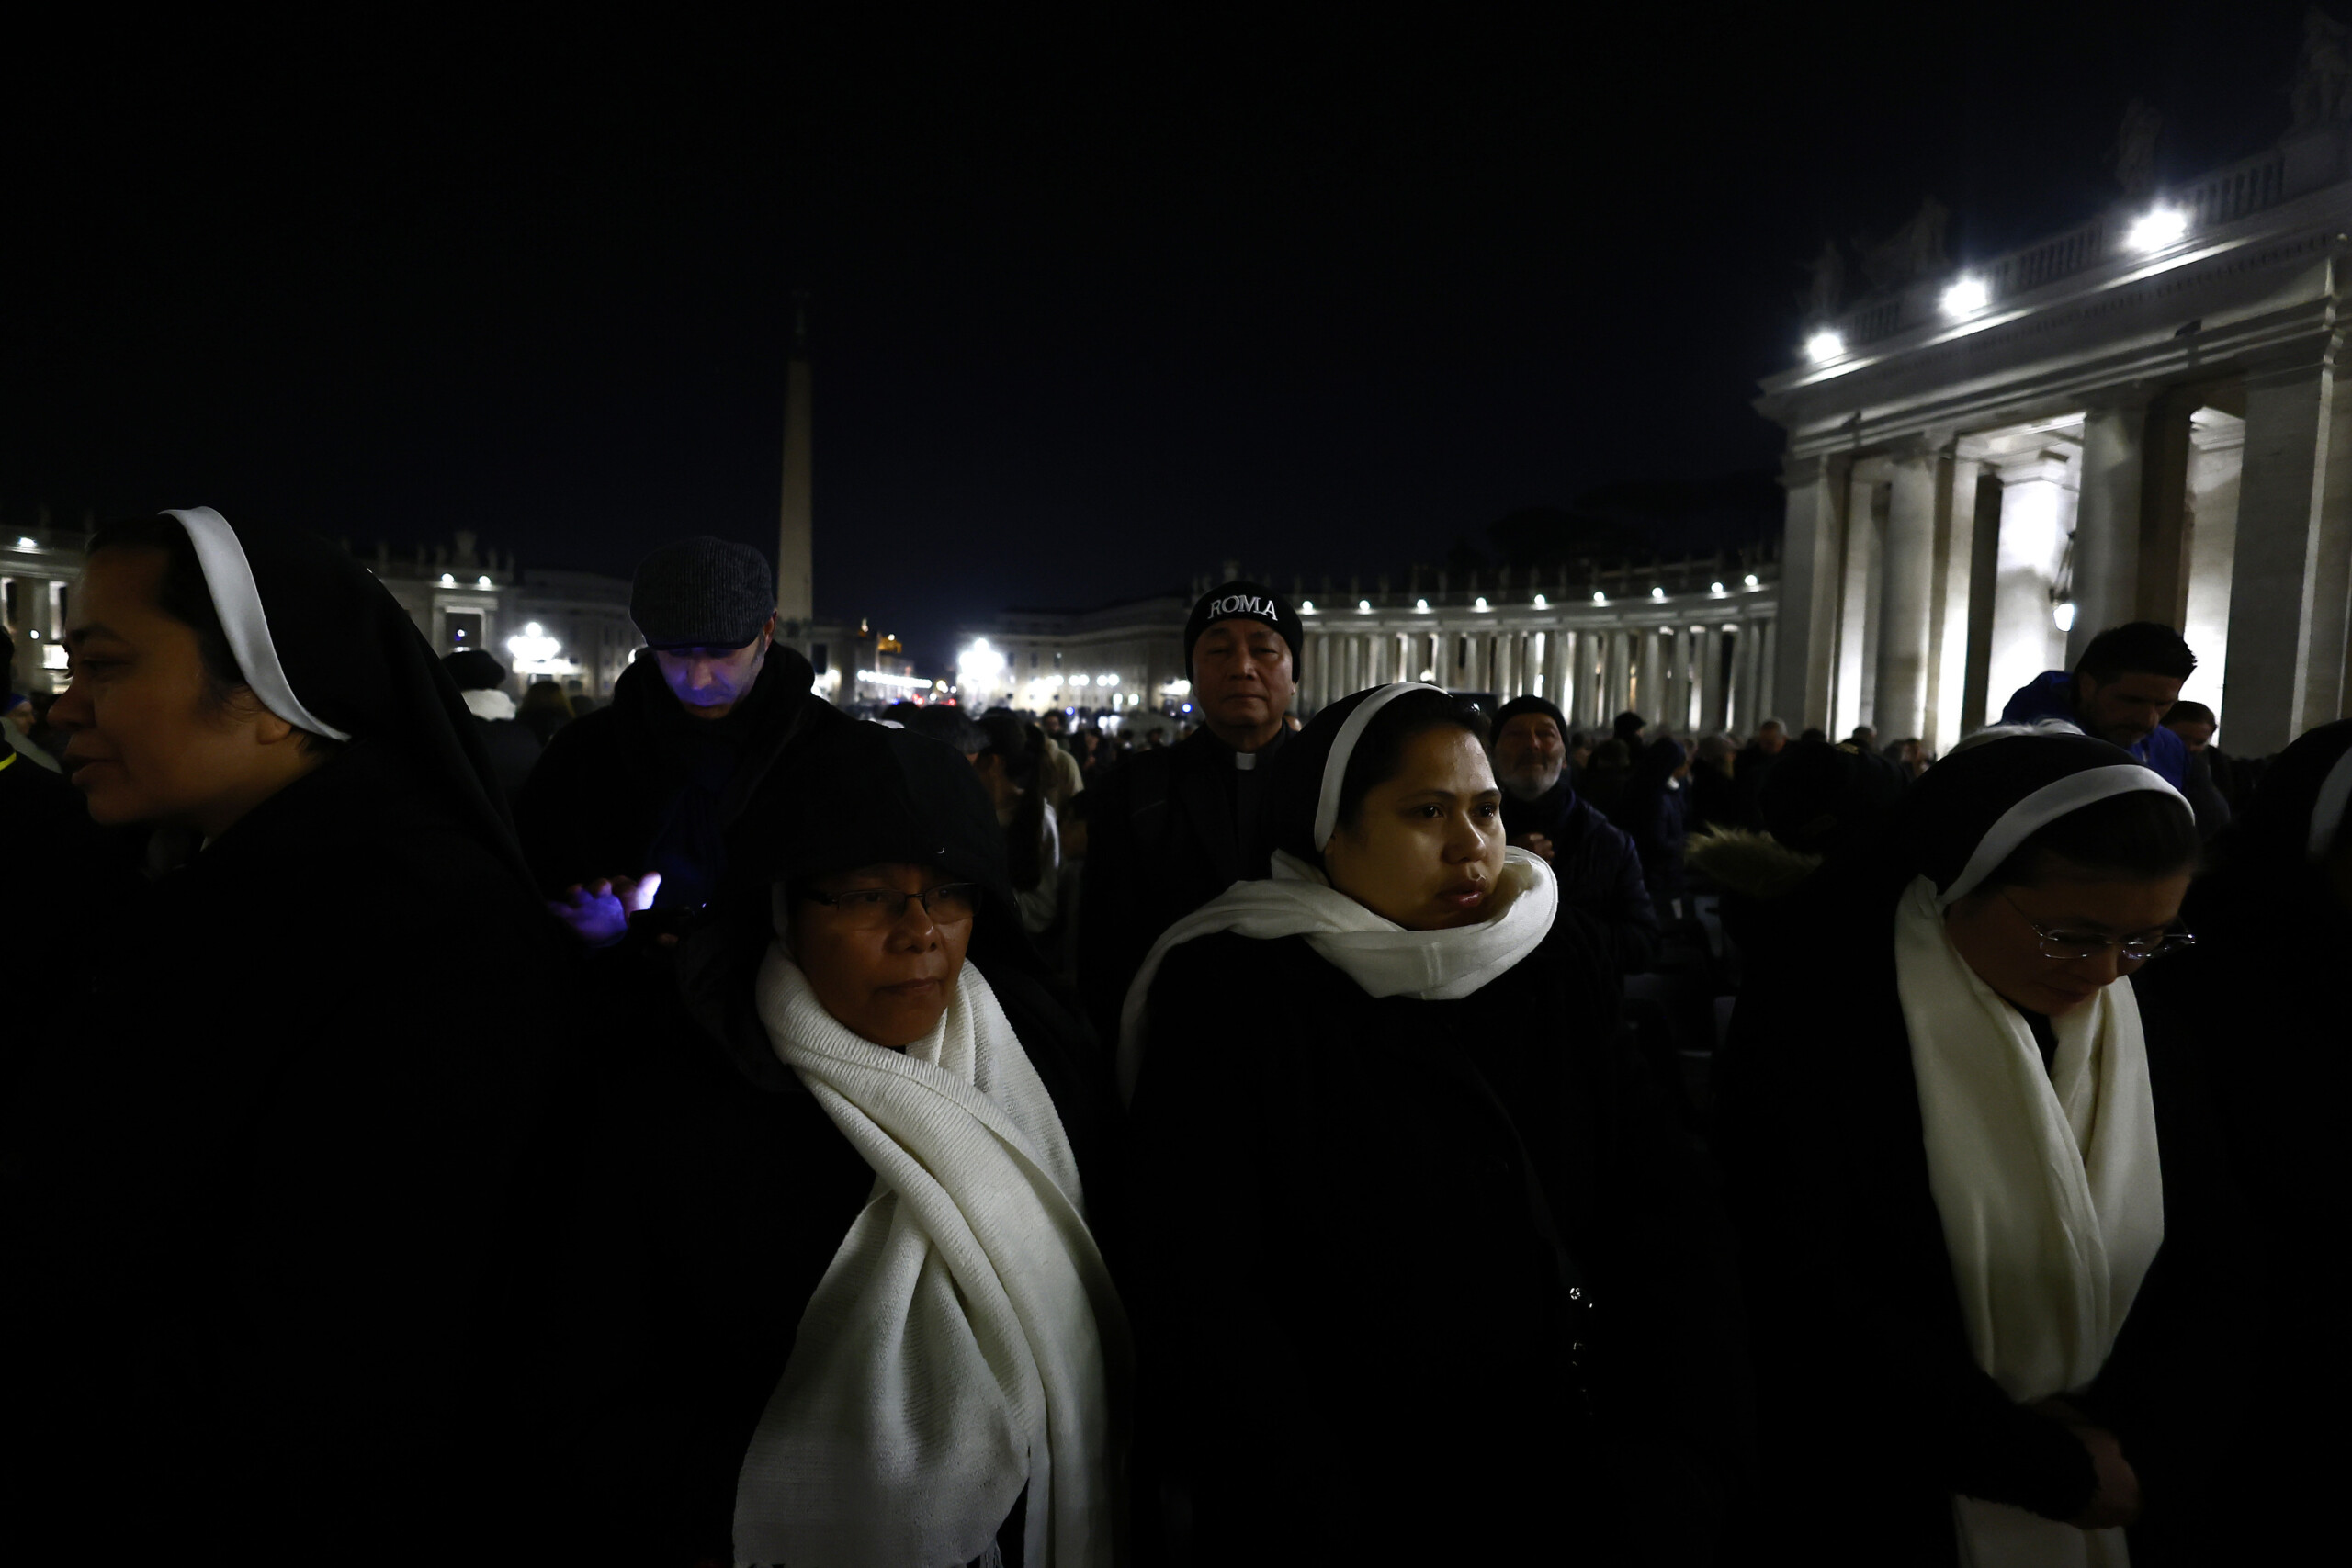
column 980, row 665
column 1824, row 346
column 532, row 647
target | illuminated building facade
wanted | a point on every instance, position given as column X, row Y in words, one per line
column 1688, row 643
column 2138, row 418
column 572, row 627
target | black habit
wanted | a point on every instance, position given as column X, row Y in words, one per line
column 1422, row 1276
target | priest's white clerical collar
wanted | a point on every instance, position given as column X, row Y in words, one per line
column 1245, row 761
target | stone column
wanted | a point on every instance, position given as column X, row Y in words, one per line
column 1948, row 605
column 1712, row 711
column 1768, row 674
column 2037, row 510
column 2217, row 445
column 1804, row 660
column 2107, row 520
column 2292, row 575
column 1740, row 713
column 1857, row 574
column 1677, row 682
column 1899, row 708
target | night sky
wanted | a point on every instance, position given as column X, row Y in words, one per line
column 1098, row 302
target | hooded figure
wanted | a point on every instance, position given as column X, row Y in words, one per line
column 1978, row 1198
column 1409, row 1224
column 2258, row 997
column 260, row 1201
column 918, row 1356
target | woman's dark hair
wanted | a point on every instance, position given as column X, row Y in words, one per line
column 182, row 593
column 545, row 695
column 1020, row 747
column 2139, row 836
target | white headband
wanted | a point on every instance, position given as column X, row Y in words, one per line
column 1335, row 768
column 2043, row 806
column 2327, row 814
column 229, row 576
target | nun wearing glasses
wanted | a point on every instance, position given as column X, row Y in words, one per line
column 261, row 1196
column 850, row 1309
column 1421, row 1269
column 1997, row 1291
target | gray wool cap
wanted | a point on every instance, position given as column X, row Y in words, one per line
column 702, row 592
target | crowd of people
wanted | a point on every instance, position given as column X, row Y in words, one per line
column 712, row 1128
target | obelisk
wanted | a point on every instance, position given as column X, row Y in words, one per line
column 794, row 595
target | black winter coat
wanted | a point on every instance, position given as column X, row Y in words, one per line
column 1421, row 1276
column 1872, row 1408
column 513, row 751
column 1600, row 872
column 718, row 1193
column 2260, row 1002
column 259, row 1218
column 638, row 786
column 1164, row 836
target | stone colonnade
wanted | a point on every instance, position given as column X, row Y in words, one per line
column 1696, row 663
column 1931, row 577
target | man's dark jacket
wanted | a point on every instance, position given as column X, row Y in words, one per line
column 640, row 785
column 1164, row 836
column 1598, row 870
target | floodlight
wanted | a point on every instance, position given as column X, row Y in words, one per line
column 1966, row 297
column 2154, row 230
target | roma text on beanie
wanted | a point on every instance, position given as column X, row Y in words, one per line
column 1249, row 601
column 702, row 592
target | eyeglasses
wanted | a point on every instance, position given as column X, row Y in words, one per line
column 870, row 908
column 2077, row 945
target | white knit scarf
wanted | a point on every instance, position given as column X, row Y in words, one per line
column 965, row 1339
column 2050, row 1192
column 1384, row 958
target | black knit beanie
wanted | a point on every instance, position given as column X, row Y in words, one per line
column 1249, row 601
column 1518, row 706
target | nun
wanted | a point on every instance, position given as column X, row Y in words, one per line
column 850, row 1309
column 260, row 1198
column 1985, row 1223
column 2259, row 998
column 1422, row 1270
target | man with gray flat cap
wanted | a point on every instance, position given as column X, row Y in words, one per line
column 627, row 811
column 1169, row 829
